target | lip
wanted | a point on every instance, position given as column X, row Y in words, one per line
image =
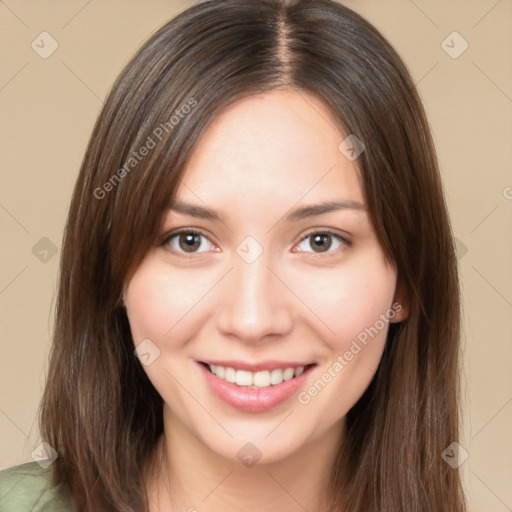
column 254, row 400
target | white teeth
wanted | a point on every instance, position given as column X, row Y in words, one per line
column 243, row 378
column 276, row 377
column 229, row 375
column 262, row 379
column 288, row 374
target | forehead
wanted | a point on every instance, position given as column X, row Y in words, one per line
column 276, row 147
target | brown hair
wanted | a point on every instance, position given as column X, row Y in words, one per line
column 99, row 409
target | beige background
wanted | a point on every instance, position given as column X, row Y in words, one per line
column 48, row 108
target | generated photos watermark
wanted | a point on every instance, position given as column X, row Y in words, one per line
column 343, row 360
column 145, row 149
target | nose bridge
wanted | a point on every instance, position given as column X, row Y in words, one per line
column 254, row 303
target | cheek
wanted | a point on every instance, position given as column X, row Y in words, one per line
column 358, row 310
column 351, row 298
column 161, row 305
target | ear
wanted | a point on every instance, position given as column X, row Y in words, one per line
column 400, row 303
column 121, row 303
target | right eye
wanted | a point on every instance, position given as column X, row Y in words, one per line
column 186, row 242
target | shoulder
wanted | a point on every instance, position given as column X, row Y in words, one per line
column 30, row 486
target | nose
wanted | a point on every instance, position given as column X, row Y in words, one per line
column 255, row 304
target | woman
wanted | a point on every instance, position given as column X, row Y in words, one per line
column 258, row 305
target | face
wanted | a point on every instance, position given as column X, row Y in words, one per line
column 261, row 315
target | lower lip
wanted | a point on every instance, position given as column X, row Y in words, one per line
column 253, row 400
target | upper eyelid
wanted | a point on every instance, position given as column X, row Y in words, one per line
column 329, row 231
column 166, row 237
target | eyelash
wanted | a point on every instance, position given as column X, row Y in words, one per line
column 167, row 238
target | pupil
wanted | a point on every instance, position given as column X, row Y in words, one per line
column 320, row 241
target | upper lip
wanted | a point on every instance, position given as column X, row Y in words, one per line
column 256, row 367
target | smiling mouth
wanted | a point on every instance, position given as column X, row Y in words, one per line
column 259, row 379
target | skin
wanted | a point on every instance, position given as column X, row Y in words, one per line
column 260, row 158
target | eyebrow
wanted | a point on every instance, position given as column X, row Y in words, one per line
column 303, row 212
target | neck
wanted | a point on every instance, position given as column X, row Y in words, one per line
column 193, row 478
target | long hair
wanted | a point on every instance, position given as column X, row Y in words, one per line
column 99, row 409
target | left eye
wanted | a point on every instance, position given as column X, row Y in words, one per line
column 323, row 241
